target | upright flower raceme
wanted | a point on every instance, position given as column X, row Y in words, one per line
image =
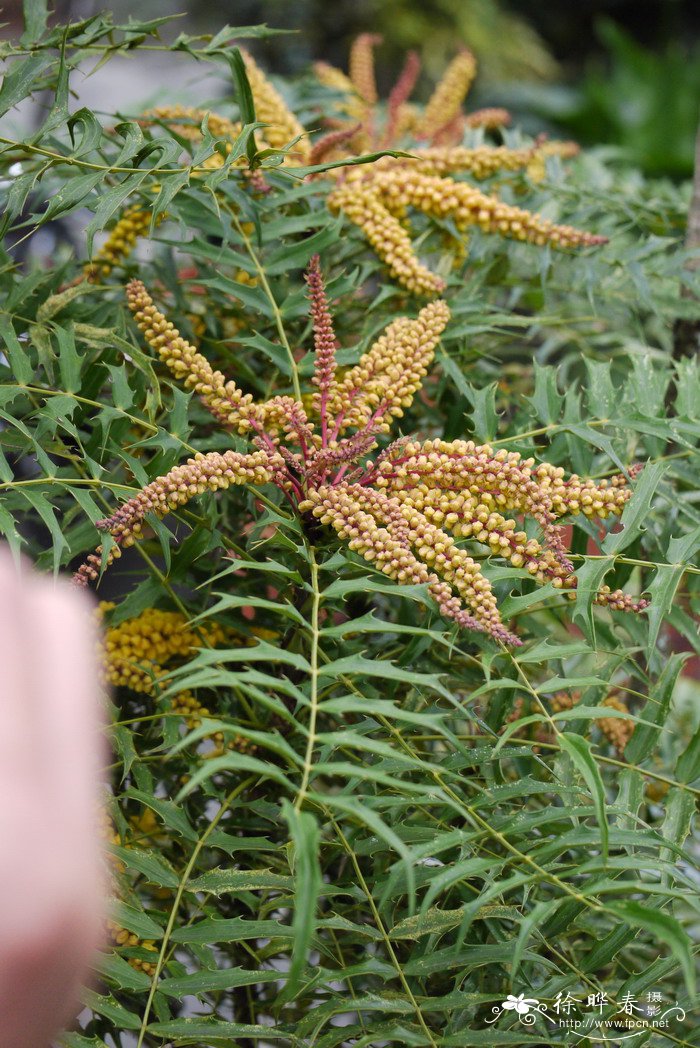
column 441, row 120
column 401, row 509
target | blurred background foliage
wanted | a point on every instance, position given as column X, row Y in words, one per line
column 603, row 71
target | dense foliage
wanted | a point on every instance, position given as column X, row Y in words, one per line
column 335, row 817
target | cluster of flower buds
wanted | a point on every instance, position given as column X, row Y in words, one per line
column 445, row 103
column 617, row 730
column 378, row 201
column 362, row 67
column 404, row 510
column 408, row 548
column 388, row 376
column 137, row 650
column 136, row 655
column 282, row 127
column 187, row 705
column 440, row 120
column 574, row 495
column 465, row 488
column 210, row 472
column 133, row 223
column 124, row 939
column 479, row 161
column 222, row 397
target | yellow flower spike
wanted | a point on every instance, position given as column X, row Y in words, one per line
column 134, row 223
column 440, row 121
column 376, row 200
column 481, row 161
column 446, row 100
column 271, row 109
column 221, row 396
column 386, row 378
column 362, row 67
column 387, row 237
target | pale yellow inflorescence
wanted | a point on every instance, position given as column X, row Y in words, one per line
column 441, row 120
column 446, row 100
column 377, row 202
column 222, row 397
column 271, row 109
column 390, row 549
column 362, row 67
column 384, row 382
column 133, row 223
column 402, row 511
column 479, row 161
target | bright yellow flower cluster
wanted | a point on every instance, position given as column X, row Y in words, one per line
column 403, row 510
column 137, row 650
column 136, row 654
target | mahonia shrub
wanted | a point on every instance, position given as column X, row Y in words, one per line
column 394, row 537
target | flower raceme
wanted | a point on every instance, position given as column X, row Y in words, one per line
column 440, row 121
column 378, row 201
column 379, row 198
column 401, row 509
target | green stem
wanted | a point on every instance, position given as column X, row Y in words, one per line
column 311, row 740
column 262, row 276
